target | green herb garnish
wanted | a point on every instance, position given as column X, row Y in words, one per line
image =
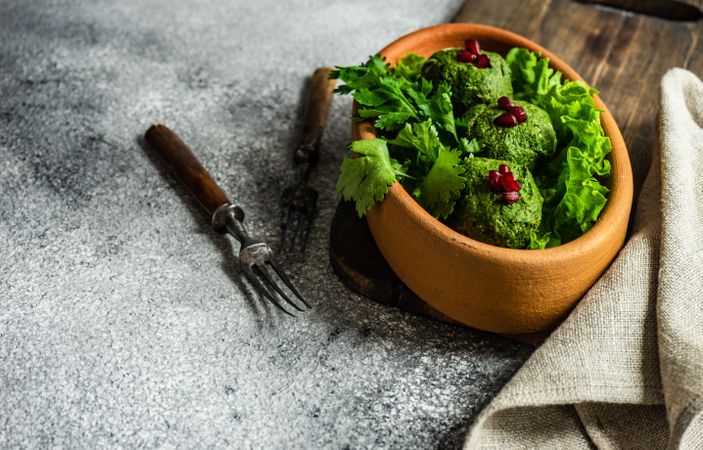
column 418, row 122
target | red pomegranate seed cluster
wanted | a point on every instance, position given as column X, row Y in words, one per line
column 503, row 181
column 513, row 114
column 473, row 54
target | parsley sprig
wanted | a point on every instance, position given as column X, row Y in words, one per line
column 420, row 142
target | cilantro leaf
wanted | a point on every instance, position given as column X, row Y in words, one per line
column 365, row 76
column 421, row 139
column 440, row 189
column 366, row 179
column 437, row 107
column 442, row 111
column 388, row 103
column 395, row 96
column 438, row 166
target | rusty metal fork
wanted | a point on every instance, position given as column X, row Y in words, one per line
column 298, row 202
column 255, row 257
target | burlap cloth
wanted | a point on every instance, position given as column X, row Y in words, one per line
column 626, row 368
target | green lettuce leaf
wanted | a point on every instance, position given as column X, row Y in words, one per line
column 531, row 75
column 409, row 67
column 572, row 183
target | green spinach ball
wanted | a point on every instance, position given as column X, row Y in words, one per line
column 524, row 143
column 483, row 214
column 470, row 84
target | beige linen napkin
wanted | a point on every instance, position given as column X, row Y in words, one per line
column 626, row 368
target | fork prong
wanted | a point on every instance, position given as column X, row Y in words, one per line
column 260, row 287
column 282, row 275
column 263, row 274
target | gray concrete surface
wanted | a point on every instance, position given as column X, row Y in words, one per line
column 123, row 319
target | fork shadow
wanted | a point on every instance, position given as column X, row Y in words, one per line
column 230, row 261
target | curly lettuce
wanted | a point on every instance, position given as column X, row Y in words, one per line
column 572, row 183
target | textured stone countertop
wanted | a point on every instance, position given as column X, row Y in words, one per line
column 123, row 318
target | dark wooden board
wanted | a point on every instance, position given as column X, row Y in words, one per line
column 671, row 9
column 622, row 54
column 358, row 262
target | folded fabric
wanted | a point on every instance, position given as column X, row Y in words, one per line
column 626, row 367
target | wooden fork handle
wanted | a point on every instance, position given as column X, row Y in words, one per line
column 315, row 115
column 186, row 167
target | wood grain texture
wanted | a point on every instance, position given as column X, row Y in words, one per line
column 667, row 9
column 186, row 167
column 358, row 262
column 624, row 55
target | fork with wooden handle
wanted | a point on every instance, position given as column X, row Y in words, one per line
column 298, row 202
column 255, row 257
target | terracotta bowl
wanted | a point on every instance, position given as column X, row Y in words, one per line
column 480, row 285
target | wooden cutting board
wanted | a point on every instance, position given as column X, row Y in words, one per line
column 623, row 54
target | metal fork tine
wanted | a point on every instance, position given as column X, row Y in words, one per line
column 287, row 282
column 297, row 212
column 263, row 273
column 226, row 217
column 260, row 287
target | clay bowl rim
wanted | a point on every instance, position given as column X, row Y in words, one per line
column 620, row 181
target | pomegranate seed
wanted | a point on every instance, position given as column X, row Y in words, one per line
column 472, row 46
column 511, row 197
column 482, row 61
column 494, row 181
column 505, row 120
column 519, row 113
column 465, row 56
column 503, row 169
column 505, row 103
column 509, row 183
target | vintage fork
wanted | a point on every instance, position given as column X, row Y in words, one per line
column 255, row 257
column 299, row 200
